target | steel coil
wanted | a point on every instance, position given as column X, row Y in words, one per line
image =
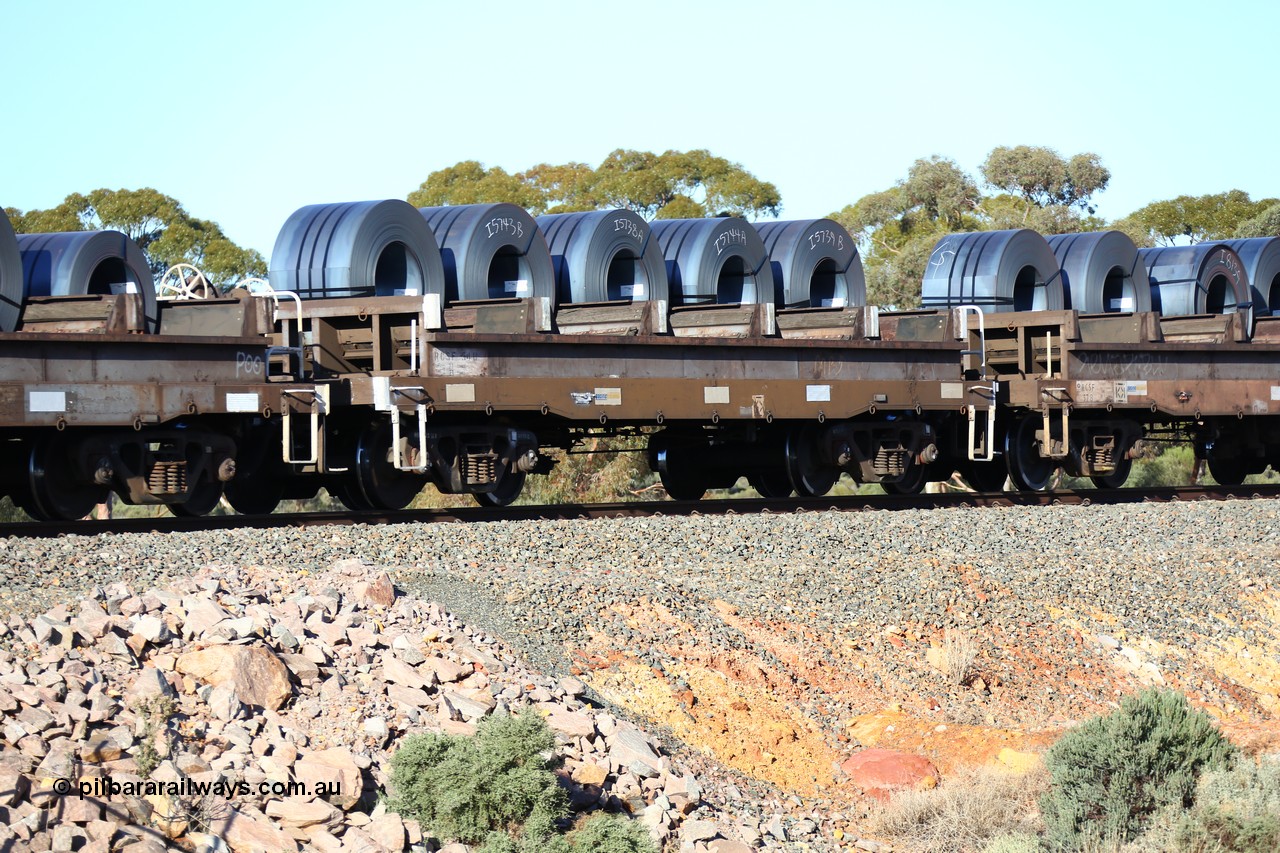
column 76, row 263
column 1101, row 272
column 995, row 270
column 491, row 251
column 815, row 263
column 720, row 260
column 357, row 248
column 1206, row 278
column 11, row 287
column 1261, row 258
column 604, row 255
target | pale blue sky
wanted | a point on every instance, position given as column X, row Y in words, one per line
column 244, row 111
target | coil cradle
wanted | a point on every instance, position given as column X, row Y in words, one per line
column 604, row 256
column 491, row 251
column 1261, row 259
column 12, row 289
column 1205, row 278
column 715, row 261
column 1102, row 271
column 815, row 263
column 997, row 271
column 356, row 249
column 87, row 263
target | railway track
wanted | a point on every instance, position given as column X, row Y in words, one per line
column 636, row 509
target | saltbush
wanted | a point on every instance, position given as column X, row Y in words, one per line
column 498, row 790
column 468, row 787
column 1111, row 775
column 1236, row 811
column 612, row 834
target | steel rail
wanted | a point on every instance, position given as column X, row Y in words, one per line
column 640, row 509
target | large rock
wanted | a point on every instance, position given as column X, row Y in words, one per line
column 397, row 671
column 258, row 676
column 330, row 766
column 247, row 834
column 880, row 771
column 378, row 591
column 294, row 811
column 388, row 830
column 572, row 723
column 202, row 615
column 149, row 683
column 446, row 670
column 628, row 746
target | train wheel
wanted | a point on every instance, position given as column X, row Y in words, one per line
column 1227, row 472
column 771, row 484
column 254, row 495
column 350, row 497
column 259, row 483
column 809, row 477
column 376, row 480
column 509, row 488
column 912, row 482
column 202, row 501
column 985, row 476
column 688, row 485
column 55, row 492
column 1116, row 478
column 1028, row 470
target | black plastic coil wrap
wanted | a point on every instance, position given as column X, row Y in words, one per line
column 994, row 270
column 604, row 255
column 1102, row 272
column 720, row 260
column 815, row 264
column 78, row 263
column 357, row 248
column 1205, row 278
column 11, row 286
column 1261, row 259
column 491, row 251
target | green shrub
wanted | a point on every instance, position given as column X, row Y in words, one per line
column 1021, row 842
column 612, row 834
column 1112, row 774
column 1236, row 811
column 466, row 788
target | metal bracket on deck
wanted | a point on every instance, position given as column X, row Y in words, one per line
column 390, row 399
column 1048, row 448
column 319, row 403
column 984, row 451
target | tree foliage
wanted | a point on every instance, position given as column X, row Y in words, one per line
column 1194, row 218
column 1042, row 178
column 668, row 185
column 157, row 223
column 898, row 227
column 1265, row 224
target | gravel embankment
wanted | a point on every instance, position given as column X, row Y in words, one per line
column 795, row 624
